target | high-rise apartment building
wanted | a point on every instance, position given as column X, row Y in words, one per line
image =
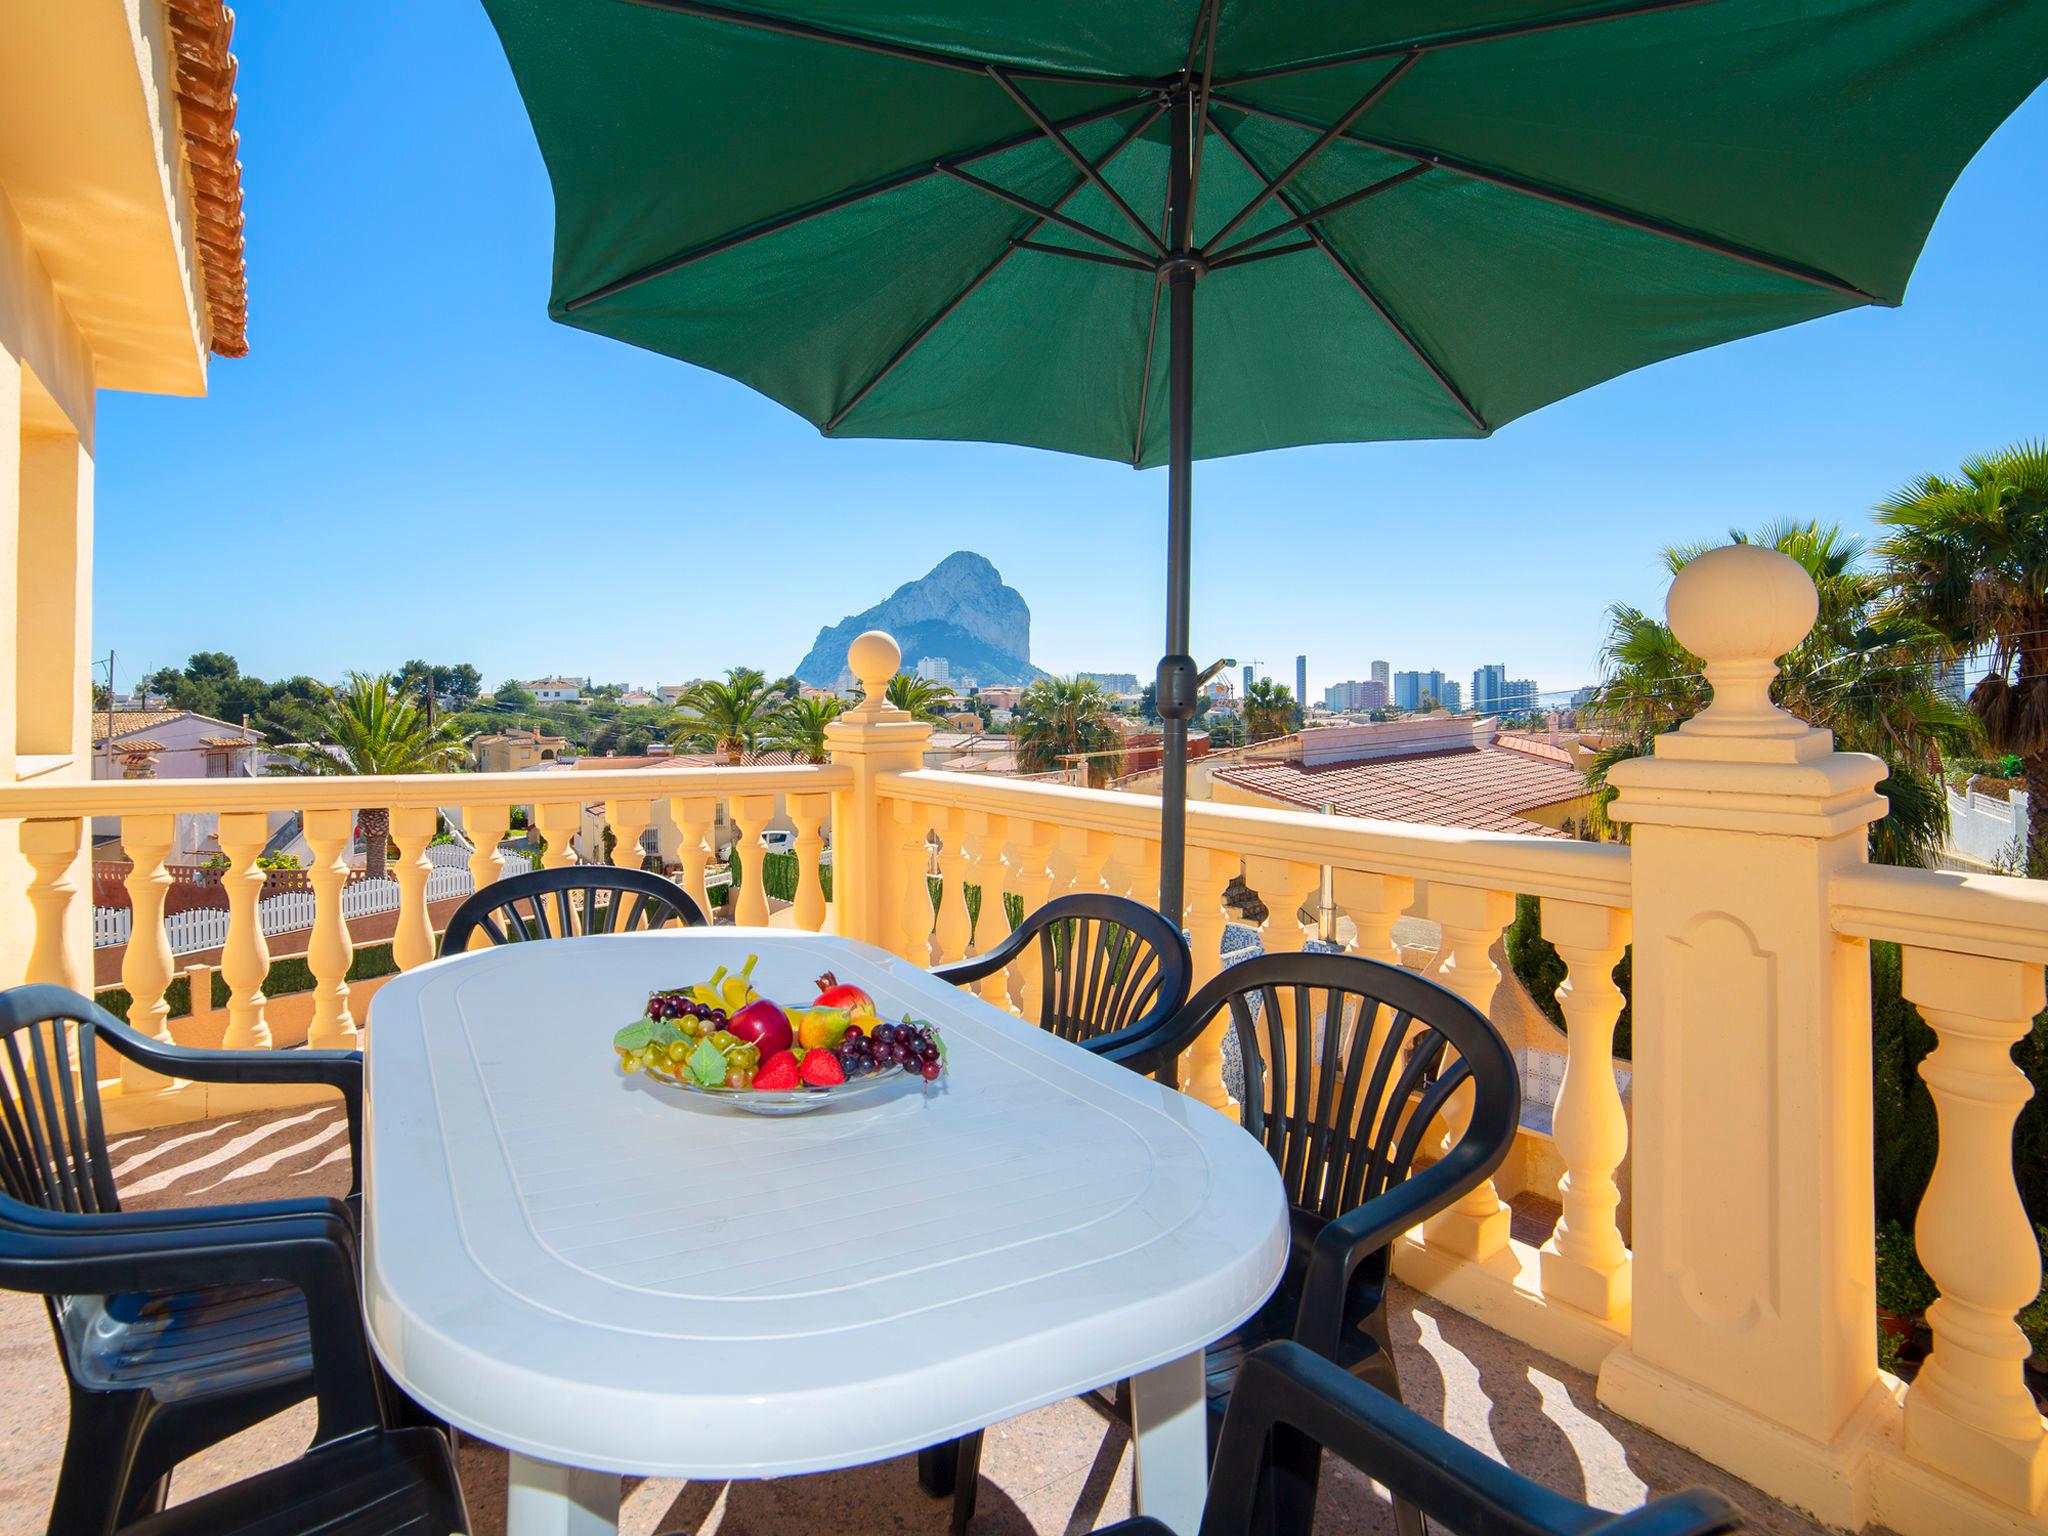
column 1487, row 684
column 935, row 669
column 1411, row 688
column 1383, row 674
column 1344, row 698
column 1247, row 682
column 1301, row 681
column 1450, row 697
column 1111, row 682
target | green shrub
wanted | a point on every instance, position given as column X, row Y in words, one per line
column 285, row 977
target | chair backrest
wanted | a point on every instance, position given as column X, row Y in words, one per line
column 1106, row 963
column 53, row 1147
column 575, row 899
column 1290, row 1406
column 1347, row 1066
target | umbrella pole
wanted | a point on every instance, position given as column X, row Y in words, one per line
column 1175, row 690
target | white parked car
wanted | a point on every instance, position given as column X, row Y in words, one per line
column 778, row 841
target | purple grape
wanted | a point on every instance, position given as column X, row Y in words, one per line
column 853, row 1032
column 930, row 1071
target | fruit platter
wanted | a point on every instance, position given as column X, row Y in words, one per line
column 723, row 1039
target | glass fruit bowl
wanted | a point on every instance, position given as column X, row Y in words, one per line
column 786, row 1101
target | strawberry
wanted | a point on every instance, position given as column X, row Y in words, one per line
column 778, row 1072
column 821, row 1069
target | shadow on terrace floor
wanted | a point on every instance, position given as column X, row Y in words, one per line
column 1056, row 1472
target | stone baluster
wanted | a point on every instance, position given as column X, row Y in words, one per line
column 628, row 821
column 954, row 924
column 1585, row 1263
column 245, row 962
column 1032, row 848
column 753, row 813
column 1374, row 903
column 1088, row 852
column 914, row 915
column 412, row 828
column 869, row 741
column 329, row 951
column 558, row 822
column 1476, row 1228
column 992, row 926
column 1209, row 870
column 51, row 848
column 694, row 816
column 1968, row 1412
column 808, row 812
column 1285, row 887
column 147, row 965
column 485, row 826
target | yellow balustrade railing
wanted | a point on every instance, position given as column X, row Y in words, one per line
column 1732, row 1310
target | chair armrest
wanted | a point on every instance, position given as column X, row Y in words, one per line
column 308, row 1245
column 1358, row 1234
column 339, row 1070
column 987, row 963
column 1289, row 1405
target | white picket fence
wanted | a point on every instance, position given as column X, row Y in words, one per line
column 290, row 911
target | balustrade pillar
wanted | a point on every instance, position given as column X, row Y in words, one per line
column 694, row 816
column 1374, row 903
column 329, row 949
column 1968, row 1412
column 412, row 828
column 1208, row 871
column 1752, row 1333
column 808, row 812
column 1585, row 1263
column 870, row 740
column 51, row 848
column 1476, row 1228
column 1088, row 851
column 992, row 925
column 245, row 962
column 485, row 826
column 627, row 820
column 954, row 925
column 1033, row 848
column 147, row 965
column 754, row 812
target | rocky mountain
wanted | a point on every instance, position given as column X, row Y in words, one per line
column 960, row 610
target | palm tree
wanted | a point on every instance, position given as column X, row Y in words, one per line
column 798, row 728
column 1969, row 559
column 371, row 725
column 918, row 697
column 1268, row 710
column 1860, row 672
column 1060, row 717
column 733, row 714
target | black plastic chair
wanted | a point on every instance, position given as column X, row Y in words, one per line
column 1114, row 970
column 1385, row 1050
column 1292, row 1406
column 177, row 1328
column 516, row 910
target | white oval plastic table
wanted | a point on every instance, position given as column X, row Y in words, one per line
column 609, row 1276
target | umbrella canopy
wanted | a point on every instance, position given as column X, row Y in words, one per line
column 1008, row 220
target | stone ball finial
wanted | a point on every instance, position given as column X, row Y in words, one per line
column 874, row 658
column 1740, row 608
column 1742, row 602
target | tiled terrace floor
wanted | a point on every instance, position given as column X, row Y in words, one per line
column 1058, row 1471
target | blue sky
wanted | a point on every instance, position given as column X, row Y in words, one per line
column 414, row 461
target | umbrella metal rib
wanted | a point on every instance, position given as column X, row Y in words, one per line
column 1100, row 257
column 918, row 337
column 718, row 245
column 1229, row 253
column 936, row 57
column 1462, row 37
column 1578, row 203
column 1364, row 290
column 1066, row 147
column 1048, row 215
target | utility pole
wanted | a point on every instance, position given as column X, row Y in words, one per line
column 109, row 738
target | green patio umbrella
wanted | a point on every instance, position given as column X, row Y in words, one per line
column 1010, row 220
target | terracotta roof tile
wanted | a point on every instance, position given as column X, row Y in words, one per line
column 201, row 31
column 1477, row 787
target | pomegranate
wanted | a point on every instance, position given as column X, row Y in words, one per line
column 833, row 993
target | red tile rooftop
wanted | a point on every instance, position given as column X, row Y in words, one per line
column 1478, row 787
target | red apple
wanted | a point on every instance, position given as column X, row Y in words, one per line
column 832, row 993
column 763, row 1024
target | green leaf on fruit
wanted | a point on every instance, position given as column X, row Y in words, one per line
column 634, row 1036
column 707, row 1064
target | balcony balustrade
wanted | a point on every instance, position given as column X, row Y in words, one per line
column 1734, row 1313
